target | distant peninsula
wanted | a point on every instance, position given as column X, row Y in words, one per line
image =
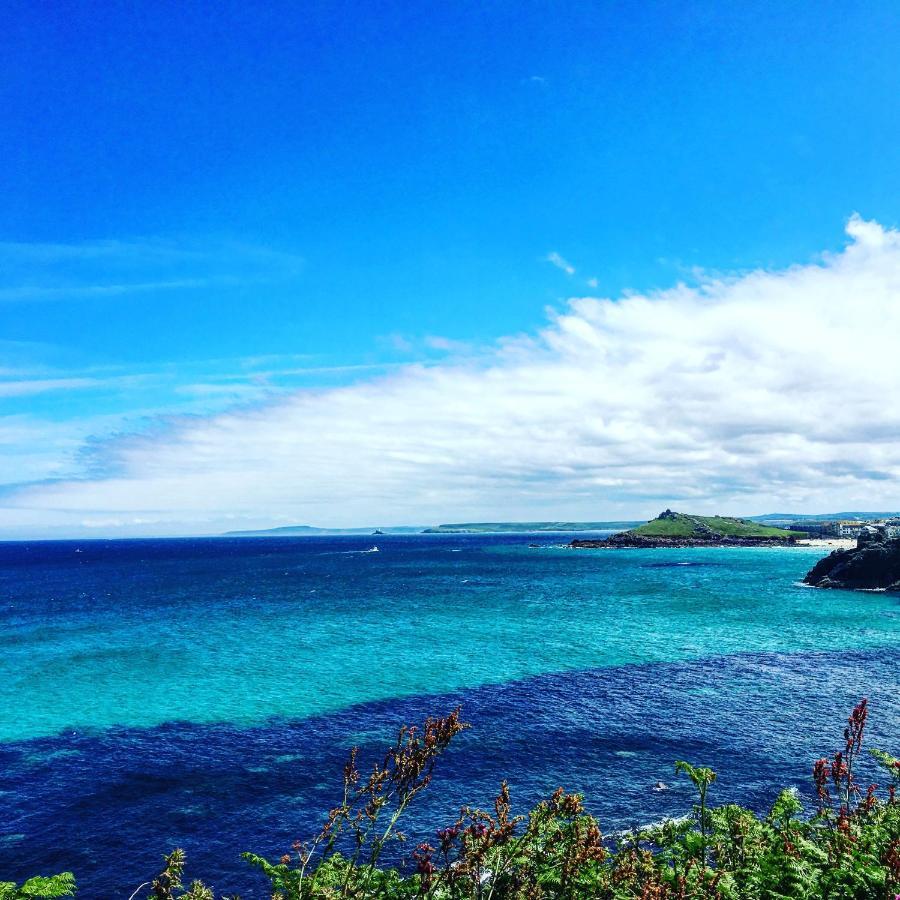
column 457, row 528
column 670, row 527
column 313, row 531
column 675, row 529
column 525, row 527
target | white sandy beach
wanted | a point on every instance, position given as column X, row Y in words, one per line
column 831, row 543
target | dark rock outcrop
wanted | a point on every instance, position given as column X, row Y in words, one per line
column 874, row 564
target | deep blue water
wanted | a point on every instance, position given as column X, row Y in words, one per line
column 203, row 694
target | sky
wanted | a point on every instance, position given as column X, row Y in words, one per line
column 391, row 263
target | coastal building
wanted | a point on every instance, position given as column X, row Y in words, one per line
column 845, row 528
column 851, row 528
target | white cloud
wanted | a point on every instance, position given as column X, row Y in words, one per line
column 555, row 259
column 758, row 392
column 33, row 450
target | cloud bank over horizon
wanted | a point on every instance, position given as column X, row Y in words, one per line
column 744, row 393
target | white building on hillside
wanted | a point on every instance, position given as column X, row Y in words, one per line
column 851, row 529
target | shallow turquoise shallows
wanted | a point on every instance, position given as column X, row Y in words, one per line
column 142, row 632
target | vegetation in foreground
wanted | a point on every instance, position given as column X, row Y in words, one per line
column 848, row 848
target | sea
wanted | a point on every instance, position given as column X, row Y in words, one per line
column 204, row 693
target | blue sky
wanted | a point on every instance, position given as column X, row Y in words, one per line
column 216, row 204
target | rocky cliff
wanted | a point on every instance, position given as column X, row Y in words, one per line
column 874, row 564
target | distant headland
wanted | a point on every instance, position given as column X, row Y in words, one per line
column 313, row 531
column 670, row 526
column 456, row 528
column 526, row 527
column 675, row 529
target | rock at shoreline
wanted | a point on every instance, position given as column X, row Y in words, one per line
column 874, row 564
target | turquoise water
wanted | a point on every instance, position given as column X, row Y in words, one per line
column 142, row 633
column 203, row 693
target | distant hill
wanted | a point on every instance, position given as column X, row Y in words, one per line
column 311, row 531
column 708, row 528
column 527, row 527
column 674, row 529
column 668, row 524
column 459, row 528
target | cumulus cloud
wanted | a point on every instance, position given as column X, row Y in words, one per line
column 768, row 390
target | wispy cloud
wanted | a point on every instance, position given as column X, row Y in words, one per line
column 237, row 391
column 747, row 392
column 72, row 291
column 243, row 377
column 425, row 346
column 555, row 259
column 400, row 343
column 34, row 271
column 446, row 345
column 29, row 387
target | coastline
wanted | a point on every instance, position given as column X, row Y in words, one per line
column 623, row 541
column 663, row 543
